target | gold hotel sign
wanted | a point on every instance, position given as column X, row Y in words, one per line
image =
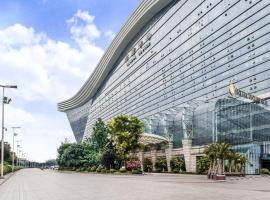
column 233, row 90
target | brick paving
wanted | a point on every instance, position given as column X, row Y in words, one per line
column 35, row 184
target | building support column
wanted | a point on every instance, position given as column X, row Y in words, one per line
column 168, row 153
column 153, row 153
column 187, row 145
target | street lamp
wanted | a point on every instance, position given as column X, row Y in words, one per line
column 5, row 100
column 20, row 158
column 13, row 154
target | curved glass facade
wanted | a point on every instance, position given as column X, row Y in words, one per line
column 175, row 73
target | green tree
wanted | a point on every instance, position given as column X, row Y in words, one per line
column 50, row 162
column 100, row 135
column 73, row 155
column 125, row 133
column 211, row 153
column 242, row 160
column 61, row 151
column 92, row 156
column 231, row 159
column 7, row 152
column 223, row 150
column 109, row 157
column 203, row 164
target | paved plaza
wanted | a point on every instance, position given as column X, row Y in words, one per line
column 35, row 184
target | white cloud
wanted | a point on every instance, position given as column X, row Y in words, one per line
column 46, row 71
column 40, row 134
column 44, row 68
column 110, row 34
column 82, row 28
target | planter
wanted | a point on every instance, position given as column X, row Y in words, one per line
column 219, row 177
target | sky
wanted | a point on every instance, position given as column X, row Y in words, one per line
column 49, row 48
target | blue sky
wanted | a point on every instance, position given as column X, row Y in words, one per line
column 49, row 48
column 50, row 15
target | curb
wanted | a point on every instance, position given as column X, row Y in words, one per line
column 6, row 178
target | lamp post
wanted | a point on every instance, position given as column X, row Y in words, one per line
column 18, row 146
column 5, row 100
column 13, row 154
column 19, row 158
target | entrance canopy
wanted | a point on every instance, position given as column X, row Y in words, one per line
column 148, row 138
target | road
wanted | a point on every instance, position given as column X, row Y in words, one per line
column 35, row 184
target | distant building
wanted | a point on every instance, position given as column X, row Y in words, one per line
column 196, row 72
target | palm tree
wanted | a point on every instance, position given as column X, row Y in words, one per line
column 242, row 160
column 217, row 153
column 223, row 150
column 210, row 152
column 231, row 157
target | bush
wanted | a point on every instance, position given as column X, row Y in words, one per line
column 136, row 171
column 123, row 170
column 78, row 170
column 89, row 169
column 203, row 164
column 7, row 169
column 264, row 171
column 178, row 164
column 147, row 165
column 103, row 171
column 133, row 165
column 93, row 169
column 113, row 170
column 99, row 169
column 16, row 168
column 82, row 169
column 161, row 165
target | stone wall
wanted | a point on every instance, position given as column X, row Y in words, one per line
column 189, row 152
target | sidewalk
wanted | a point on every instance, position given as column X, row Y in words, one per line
column 7, row 176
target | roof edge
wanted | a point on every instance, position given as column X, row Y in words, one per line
column 139, row 18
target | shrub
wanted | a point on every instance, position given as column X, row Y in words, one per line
column 203, row 164
column 133, row 164
column 112, row 171
column 78, row 170
column 264, row 171
column 161, row 165
column 93, row 169
column 73, row 169
column 123, row 170
column 136, row 171
column 88, row 169
column 99, row 169
column 61, row 168
column 7, row 169
column 147, row 165
column 82, row 169
column 178, row 164
column 103, row 171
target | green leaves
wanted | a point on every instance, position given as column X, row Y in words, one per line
column 125, row 133
column 219, row 152
column 203, row 165
column 106, row 145
column 100, row 135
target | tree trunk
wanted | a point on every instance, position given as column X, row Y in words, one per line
column 210, row 167
column 230, row 166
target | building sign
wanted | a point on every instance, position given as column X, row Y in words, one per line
column 233, row 90
column 140, row 48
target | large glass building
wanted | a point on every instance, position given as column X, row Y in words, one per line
column 171, row 65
